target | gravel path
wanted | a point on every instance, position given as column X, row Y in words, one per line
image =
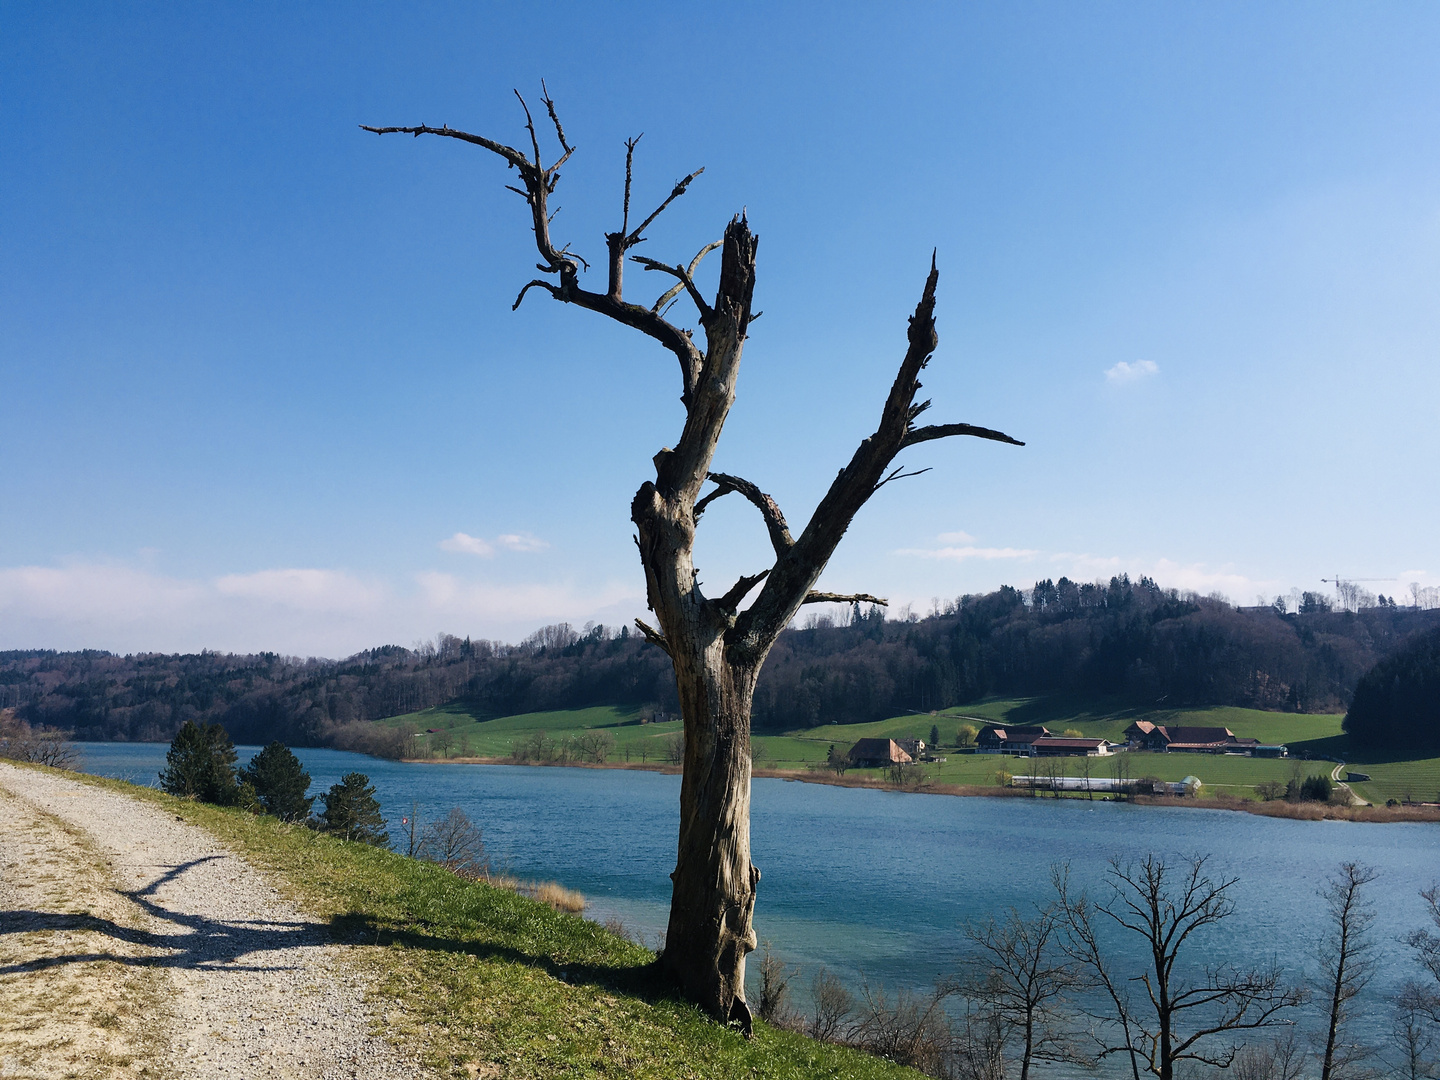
column 253, row 987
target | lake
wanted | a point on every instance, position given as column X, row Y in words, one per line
column 874, row 884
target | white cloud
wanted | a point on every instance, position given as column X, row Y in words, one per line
column 304, row 590
column 1124, row 372
column 521, row 542
column 969, row 551
column 955, row 538
column 465, row 544
column 297, row 611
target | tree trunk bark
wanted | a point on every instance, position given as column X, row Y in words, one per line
column 713, row 897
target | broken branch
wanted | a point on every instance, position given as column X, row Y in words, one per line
column 813, row 597
column 654, row 636
column 731, row 600
column 944, row 431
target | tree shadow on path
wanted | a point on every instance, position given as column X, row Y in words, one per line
column 187, row 941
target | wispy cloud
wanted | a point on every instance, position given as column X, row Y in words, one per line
column 521, row 542
column 465, row 544
column 296, row 610
column 955, row 538
column 1124, row 372
column 969, row 551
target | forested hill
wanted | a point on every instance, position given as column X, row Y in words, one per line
column 1129, row 639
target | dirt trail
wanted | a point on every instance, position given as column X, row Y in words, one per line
column 133, row 944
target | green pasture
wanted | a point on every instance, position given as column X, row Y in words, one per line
column 471, row 733
column 468, row 733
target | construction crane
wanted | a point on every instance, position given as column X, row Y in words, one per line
column 1339, row 582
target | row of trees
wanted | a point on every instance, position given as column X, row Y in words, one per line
column 1127, row 638
column 1119, row 977
column 200, row 764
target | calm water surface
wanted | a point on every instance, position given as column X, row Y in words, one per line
column 874, row 884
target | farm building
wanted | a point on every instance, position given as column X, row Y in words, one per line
column 1166, row 739
column 868, row 753
column 994, row 739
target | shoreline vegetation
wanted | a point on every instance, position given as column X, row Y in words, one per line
column 1276, row 808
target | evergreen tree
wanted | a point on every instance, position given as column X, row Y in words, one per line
column 352, row 812
column 1397, row 703
column 280, row 782
column 200, row 764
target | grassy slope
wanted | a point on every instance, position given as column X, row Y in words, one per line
column 487, row 983
column 1319, row 735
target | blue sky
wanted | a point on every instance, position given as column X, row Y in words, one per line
column 261, row 387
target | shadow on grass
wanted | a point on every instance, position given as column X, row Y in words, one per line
column 643, row 980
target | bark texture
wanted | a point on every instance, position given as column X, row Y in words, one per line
column 716, row 647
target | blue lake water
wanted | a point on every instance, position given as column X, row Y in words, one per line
column 874, row 884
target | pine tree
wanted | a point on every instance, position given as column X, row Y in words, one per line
column 200, row 764
column 352, row 812
column 280, row 782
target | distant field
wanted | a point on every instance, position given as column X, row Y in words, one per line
column 473, row 734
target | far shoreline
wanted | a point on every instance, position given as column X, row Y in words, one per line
column 1277, row 808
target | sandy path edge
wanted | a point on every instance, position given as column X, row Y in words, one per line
column 254, row 987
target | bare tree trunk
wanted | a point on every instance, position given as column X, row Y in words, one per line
column 713, row 899
column 716, row 648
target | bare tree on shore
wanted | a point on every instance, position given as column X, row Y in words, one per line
column 716, row 647
column 1347, row 965
column 1176, row 1019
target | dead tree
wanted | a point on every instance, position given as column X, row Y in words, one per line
column 717, row 646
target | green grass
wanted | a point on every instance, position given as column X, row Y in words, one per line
column 1319, row 735
column 476, row 734
column 477, row 981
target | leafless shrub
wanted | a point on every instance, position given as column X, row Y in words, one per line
column 38, row 746
column 977, row 1046
column 455, row 843
column 1278, row 1059
column 913, row 1030
column 536, row 747
column 774, row 988
column 833, row 1006
column 1414, row 1039
column 595, row 746
column 675, row 748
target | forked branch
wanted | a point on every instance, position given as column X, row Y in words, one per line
column 537, row 182
column 780, row 537
column 798, row 568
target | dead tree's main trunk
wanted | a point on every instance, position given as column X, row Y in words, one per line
column 717, row 649
column 713, row 895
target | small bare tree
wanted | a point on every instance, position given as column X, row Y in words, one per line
column 717, row 648
column 913, row 1029
column 1347, row 964
column 455, row 843
column 1020, row 972
column 1280, row 1058
column 1413, row 1032
column 775, row 989
column 834, row 1005
column 1179, row 1019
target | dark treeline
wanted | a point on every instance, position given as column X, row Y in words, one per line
column 1128, row 639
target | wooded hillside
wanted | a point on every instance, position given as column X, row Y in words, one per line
column 1126, row 638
